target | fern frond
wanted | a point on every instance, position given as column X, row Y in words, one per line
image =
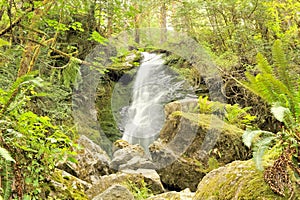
column 260, row 149
column 250, row 135
column 263, row 65
column 281, row 63
column 71, row 73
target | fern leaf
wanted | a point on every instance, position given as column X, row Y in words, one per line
column 5, row 154
column 279, row 112
column 260, row 149
column 250, row 135
column 281, row 62
column 263, row 65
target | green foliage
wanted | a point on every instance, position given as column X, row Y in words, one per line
column 33, row 141
column 275, row 84
column 71, row 73
column 260, row 142
column 140, row 190
column 280, row 88
column 98, row 38
column 232, row 114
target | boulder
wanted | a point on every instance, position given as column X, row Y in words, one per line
column 136, row 163
column 128, row 177
column 115, row 192
column 151, row 177
column 67, row 186
column 238, row 180
column 92, row 162
column 183, row 195
column 127, row 156
column 190, row 145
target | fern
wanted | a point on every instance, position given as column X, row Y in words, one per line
column 260, row 142
column 71, row 73
column 7, row 174
column 263, row 65
column 259, row 150
column 275, row 83
column 281, row 63
column 280, row 89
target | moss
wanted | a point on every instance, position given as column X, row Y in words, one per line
column 238, row 180
column 208, row 121
column 66, row 187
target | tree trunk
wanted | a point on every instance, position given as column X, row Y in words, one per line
column 163, row 22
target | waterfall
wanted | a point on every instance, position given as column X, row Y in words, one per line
column 154, row 85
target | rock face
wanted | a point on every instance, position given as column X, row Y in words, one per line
column 93, row 162
column 237, row 180
column 115, row 192
column 193, row 144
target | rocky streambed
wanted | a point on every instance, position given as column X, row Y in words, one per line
column 195, row 157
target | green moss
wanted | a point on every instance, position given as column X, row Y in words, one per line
column 66, row 187
column 238, row 180
column 209, row 121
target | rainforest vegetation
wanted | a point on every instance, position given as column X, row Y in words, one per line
column 255, row 45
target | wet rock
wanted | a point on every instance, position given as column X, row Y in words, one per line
column 67, row 186
column 136, row 163
column 126, row 178
column 115, row 192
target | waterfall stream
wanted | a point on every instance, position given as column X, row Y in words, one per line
column 155, row 84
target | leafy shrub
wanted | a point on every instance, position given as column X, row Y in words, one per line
column 33, row 142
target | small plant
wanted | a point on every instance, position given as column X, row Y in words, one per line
column 232, row 114
column 140, row 190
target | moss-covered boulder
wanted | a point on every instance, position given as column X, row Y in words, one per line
column 190, row 145
column 66, row 186
column 127, row 178
column 238, row 180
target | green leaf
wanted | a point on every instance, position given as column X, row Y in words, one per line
column 6, row 155
column 98, row 38
column 260, row 149
column 249, row 136
column 279, row 112
column 4, row 43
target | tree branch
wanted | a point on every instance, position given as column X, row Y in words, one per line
column 69, row 56
column 16, row 22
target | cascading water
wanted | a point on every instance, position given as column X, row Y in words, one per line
column 155, row 84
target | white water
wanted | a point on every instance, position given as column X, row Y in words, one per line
column 154, row 86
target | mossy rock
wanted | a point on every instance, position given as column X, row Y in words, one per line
column 238, row 180
column 193, row 144
column 65, row 186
